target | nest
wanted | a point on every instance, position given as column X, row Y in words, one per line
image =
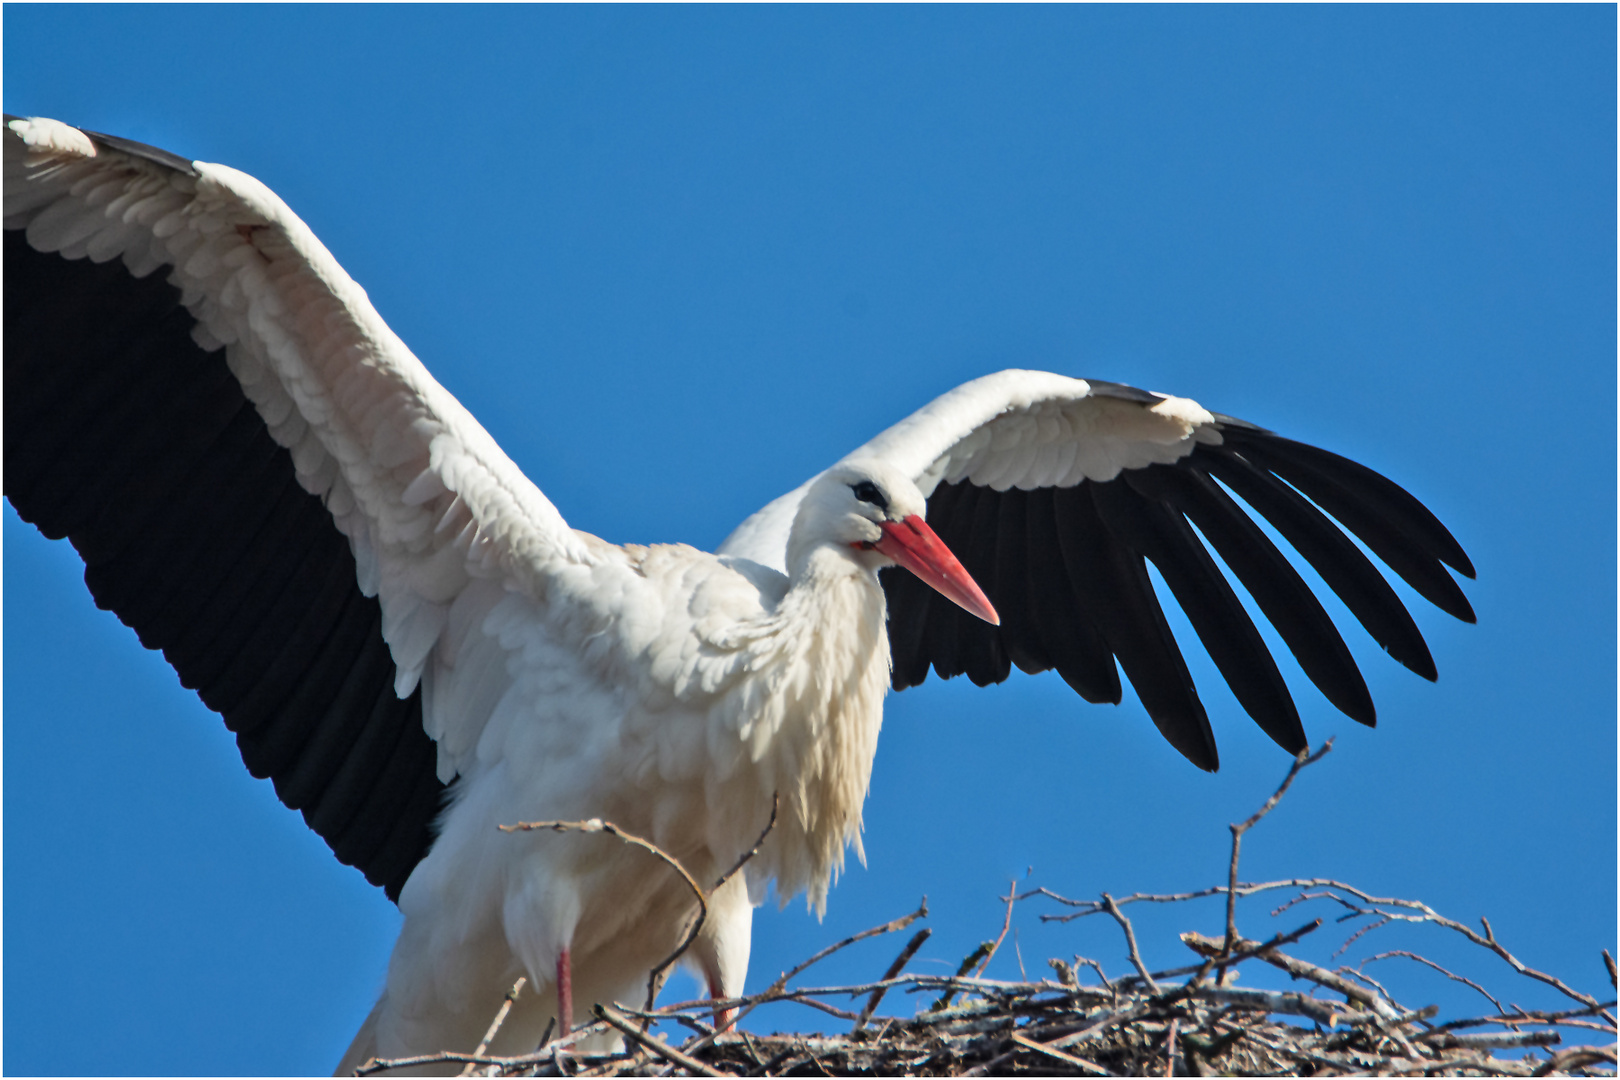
column 1187, row 1021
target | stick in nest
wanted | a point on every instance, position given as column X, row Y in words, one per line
column 1300, row 763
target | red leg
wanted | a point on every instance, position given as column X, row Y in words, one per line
column 565, row 995
column 723, row 1018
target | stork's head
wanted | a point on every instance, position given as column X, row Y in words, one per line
column 873, row 515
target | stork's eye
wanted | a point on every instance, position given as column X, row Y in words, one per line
column 866, row 491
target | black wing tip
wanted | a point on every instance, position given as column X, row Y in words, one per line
column 1421, row 524
column 1452, row 554
column 1192, row 740
column 1365, row 713
column 1189, row 732
column 1455, row 603
column 898, row 681
column 1458, row 559
column 1107, row 694
column 1206, row 758
column 1426, row 670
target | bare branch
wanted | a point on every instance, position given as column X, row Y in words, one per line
column 647, row 1042
column 1448, row 974
column 495, row 1025
column 1300, row 762
column 1006, row 922
column 1080, row 1063
column 1130, row 941
column 776, row 988
column 654, row 977
column 895, row 968
column 1369, row 999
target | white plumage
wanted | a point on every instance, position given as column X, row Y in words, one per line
column 674, row 692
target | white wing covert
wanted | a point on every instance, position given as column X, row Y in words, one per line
column 424, row 498
column 1053, row 491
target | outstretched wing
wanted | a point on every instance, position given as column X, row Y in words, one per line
column 1054, row 492
column 262, row 479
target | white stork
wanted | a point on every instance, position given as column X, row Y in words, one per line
column 412, row 644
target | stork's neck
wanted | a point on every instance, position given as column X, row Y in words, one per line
column 836, row 611
column 831, row 670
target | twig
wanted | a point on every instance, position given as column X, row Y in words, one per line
column 653, row 977
column 444, row 1057
column 1428, row 914
column 1093, row 907
column 748, row 1044
column 968, row 961
column 776, row 988
column 1330, row 1013
column 1430, row 963
column 1130, row 941
column 1118, row 1016
column 990, row 1067
column 1423, row 913
column 663, row 1050
column 597, row 825
column 887, row 928
column 1006, row 922
column 1300, row 969
column 1567, row 1016
column 1576, row 1057
column 1051, row 1051
column 1359, row 934
column 1362, row 976
column 1207, row 946
column 894, row 969
column 1300, row 762
column 1094, row 966
column 495, row 1025
column 1446, row 1040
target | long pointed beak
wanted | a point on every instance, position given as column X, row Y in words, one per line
column 915, row 546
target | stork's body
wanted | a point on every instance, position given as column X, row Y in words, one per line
column 677, row 693
column 411, row 642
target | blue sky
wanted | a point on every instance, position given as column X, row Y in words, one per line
column 679, row 259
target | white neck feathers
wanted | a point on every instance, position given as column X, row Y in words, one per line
column 826, row 668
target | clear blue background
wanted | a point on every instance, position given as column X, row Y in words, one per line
column 678, row 259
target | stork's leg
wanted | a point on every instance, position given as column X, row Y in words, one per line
column 723, row 1018
column 710, row 964
column 565, row 994
column 721, row 948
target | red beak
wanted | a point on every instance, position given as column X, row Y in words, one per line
column 915, row 546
